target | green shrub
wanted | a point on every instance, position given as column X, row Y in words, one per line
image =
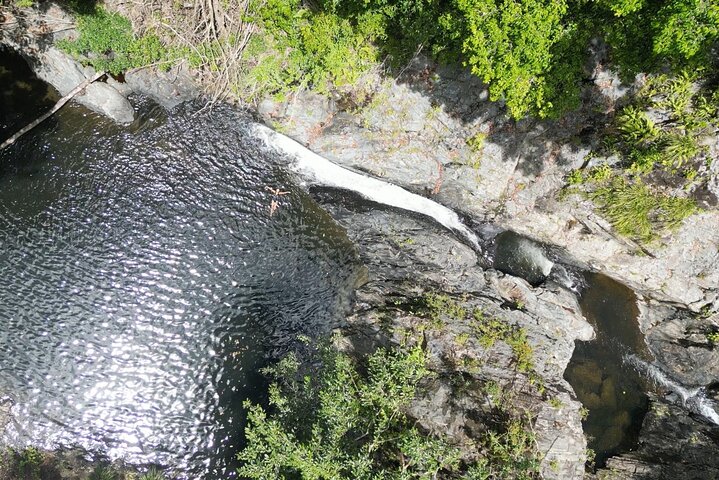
column 337, row 424
column 507, row 455
column 476, row 142
column 29, row 463
column 637, row 212
column 104, row 472
column 679, row 149
column 106, row 42
column 439, row 306
column 153, row 474
column 635, row 126
column 333, row 422
column 644, row 160
column 671, row 150
column 298, row 48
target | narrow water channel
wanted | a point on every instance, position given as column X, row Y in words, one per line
column 612, row 391
column 144, row 278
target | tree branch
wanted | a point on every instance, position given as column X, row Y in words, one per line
column 54, row 109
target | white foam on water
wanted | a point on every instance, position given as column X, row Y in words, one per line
column 692, row 398
column 535, row 255
column 321, row 171
column 564, row 277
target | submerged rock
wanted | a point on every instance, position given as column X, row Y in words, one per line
column 521, row 257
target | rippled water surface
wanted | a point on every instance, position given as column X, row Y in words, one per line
column 144, row 282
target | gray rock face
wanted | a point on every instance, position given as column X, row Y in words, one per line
column 57, row 68
column 169, row 89
column 678, row 340
column 407, row 259
column 672, row 446
column 435, row 132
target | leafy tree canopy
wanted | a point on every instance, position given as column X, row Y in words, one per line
column 531, row 52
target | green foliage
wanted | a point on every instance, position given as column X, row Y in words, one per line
column 440, row 306
column 531, row 52
column 24, row 3
column 647, row 35
column 621, row 8
column 153, row 474
column 335, row 423
column 299, row 48
column 487, row 329
column 508, row 44
column 104, row 472
column 507, row 455
column 685, row 28
column 106, row 42
column 671, row 150
column 680, row 149
column 637, row 212
column 29, row 463
column 476, row 142
column 635, row 126
column 644, row 160
column 490, row 330
column 341, row 420
column 691, row 114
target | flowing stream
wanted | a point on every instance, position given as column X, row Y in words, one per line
column 149, row 272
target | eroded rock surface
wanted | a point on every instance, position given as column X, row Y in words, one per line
column 673, row 446
column 435, row 132
column 407, row 259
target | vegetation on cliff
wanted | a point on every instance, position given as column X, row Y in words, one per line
column 333, row 418
column 530, row 52
column 661, row 142
column 106, row 41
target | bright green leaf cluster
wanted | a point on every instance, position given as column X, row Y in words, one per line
column 337, row 423
column 638, row 212
column 298, row 48
column 106, row 42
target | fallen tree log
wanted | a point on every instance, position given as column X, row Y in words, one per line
column 54, row 109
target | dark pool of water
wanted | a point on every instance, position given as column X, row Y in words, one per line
column 23, row 97
column 613, row 391
column 144, row 281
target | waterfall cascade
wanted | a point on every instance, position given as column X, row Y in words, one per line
column 321, row 171
column 694, row 399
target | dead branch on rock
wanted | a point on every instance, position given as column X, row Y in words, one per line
column 215, row 31
column 54, row 109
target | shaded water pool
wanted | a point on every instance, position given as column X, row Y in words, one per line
column 612, row 391
column 144, row 280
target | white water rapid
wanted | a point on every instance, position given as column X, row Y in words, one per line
column 320, row 171
column 693, row 399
